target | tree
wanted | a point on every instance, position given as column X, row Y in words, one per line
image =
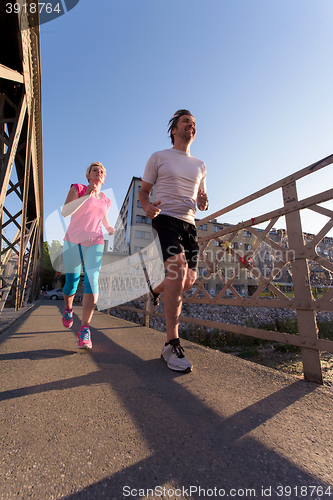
column 48, row 271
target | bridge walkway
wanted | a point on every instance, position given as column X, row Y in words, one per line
column 116, row 423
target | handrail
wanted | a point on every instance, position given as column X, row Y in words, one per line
column 295, row 256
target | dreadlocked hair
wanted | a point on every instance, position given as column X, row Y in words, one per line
column 174, row 120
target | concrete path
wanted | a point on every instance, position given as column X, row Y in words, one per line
column 116, row 423
column 8, row 316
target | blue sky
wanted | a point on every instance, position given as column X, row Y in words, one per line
column 256, row 74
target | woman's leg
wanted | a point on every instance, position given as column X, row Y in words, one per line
column 92, row 264
column 72, row 260
column 88, row 308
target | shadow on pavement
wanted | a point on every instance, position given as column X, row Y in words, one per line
column 35, row 355
column 191, row 444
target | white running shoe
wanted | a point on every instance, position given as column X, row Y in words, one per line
column 153, row 299
column 175, row 359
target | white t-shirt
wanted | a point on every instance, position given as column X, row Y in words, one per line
column 178, row 177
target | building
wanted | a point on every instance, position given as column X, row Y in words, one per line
column 133, row 230
column 269, row 258
column 227, row 264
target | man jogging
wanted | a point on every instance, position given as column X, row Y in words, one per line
column 180, row 187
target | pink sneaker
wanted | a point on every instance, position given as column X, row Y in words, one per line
column 67, row 317
column 83, row 338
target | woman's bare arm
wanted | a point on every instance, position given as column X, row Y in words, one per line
column 107, row 226
column 73, row 202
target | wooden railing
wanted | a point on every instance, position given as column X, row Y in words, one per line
column 296, row 255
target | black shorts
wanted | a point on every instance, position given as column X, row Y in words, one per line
column 177, row 236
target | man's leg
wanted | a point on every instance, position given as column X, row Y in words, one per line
column 179, row 279
column 180, row 253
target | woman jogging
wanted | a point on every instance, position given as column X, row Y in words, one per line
column 84, row 241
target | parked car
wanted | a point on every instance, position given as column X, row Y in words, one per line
column 54, row 294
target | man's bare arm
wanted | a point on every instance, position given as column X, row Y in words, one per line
column 150, row 208
column 202, row 200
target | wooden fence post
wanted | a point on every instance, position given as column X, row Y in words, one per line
column 307, row 323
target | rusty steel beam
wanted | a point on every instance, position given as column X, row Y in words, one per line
column 21, row 270
column 9, row 157
column 20, row 152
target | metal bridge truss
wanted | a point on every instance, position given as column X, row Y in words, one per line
column 21, row 174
